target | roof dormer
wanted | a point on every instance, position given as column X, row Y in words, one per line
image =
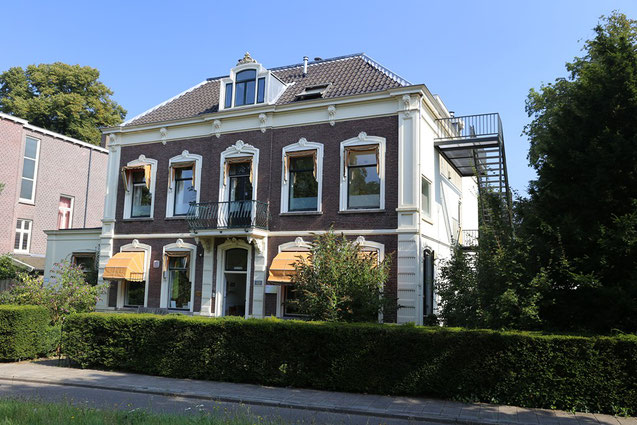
column 249, row 84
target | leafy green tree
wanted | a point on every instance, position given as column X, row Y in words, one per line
column 337, row 282
column 581, row 215
column 68, row 99
column 8, row 269
column 67, row 293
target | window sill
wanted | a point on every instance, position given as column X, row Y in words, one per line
column 26, row 202
column 293, row 213
column 176, row 217
column 133, row 219
column 427, row 220
column 362, row 211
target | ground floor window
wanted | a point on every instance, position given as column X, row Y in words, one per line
column 86, row 261
column 290, row 296
column 179, row 285
column 134, row 293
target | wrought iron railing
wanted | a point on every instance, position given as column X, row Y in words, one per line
column 228, row 215
column 470, row 127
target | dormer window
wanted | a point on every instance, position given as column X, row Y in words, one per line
column 312, row 92
column 248, row 83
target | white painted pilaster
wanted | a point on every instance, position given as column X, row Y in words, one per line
column 408, row 156
column 408, row 275
column 206, row 278
column 260, row 263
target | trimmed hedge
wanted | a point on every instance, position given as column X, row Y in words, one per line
column 519, row 368
column 24, row 332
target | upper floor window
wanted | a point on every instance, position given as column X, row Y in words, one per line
column 247, row 89
column 183, row 183
column 363, row 173
column 302, row 179
column 363, row 180
column 425, row 196
column 23, row 236
column 139, row 183
column 29, row 169
column 65, row 212
column 249, row 83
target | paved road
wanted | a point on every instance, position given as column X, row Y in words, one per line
column 128, row 391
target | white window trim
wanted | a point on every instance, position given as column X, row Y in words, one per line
column 298, row 245
column 178, row 246
column 361, row 140
column 70, row 209
column 35, row 171
column 238, row 150
column 175, row 161
column 427, row 216
column 270, row 95
column 128, row 194
column 22, row 234
column 221, row 281
column 135, row 246
column 301, row 145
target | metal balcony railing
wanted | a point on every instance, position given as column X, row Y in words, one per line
column 476, row 127
column 228, row 215
column 469, row 238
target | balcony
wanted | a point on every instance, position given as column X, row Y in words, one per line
column 468, row 239
column 228, row 215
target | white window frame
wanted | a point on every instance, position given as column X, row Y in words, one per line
column 128, row 194
column 35, row 171
column 301, row 145
column 362, row 140
column 135, row 246
column 70, row 209
column 238, row 150
column 185, row 157
column 221, row 280
column 425, row 215
column 299, row 245
column 273, row 86
column 178, row 246
column 24, row 232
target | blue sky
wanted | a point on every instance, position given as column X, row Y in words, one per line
column 479, row 56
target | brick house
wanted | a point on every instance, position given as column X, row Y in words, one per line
column 51, row 181
column 213, row 193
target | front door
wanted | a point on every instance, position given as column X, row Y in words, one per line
column 235, row 277
column 240, row 195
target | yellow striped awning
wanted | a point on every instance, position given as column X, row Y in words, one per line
column 282, row 267
column 125, row 266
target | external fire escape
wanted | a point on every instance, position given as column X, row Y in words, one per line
column 474, row 145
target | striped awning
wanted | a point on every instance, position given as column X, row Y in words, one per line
column 125, row 266
column 282, row 267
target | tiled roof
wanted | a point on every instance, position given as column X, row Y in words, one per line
column 346, row 76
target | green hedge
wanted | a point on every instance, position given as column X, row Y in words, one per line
column 524, row 369
column 24, row 332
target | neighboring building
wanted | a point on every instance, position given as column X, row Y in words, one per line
column 51, row 181
column 212, row 194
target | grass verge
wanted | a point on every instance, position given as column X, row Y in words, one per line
column 23, row 412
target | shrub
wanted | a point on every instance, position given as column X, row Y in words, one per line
column 338, row 283
column 526, row 369
column 8, row 270
column 67, row 293
column 24, row 332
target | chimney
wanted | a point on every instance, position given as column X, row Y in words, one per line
column 305, row 59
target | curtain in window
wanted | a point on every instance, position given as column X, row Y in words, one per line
column 127, row 170
column 174, row 166
column 64, row 213
column 226, row 168
column 177, row 254
column 360, row 149
column 297, row 154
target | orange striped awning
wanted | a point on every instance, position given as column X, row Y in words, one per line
column 282, row 267
column 125, row 266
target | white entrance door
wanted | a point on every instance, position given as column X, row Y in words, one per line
column 235, row 276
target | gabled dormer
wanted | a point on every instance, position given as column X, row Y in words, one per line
column 249, row 84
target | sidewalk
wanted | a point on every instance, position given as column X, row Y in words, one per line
column 406, row 408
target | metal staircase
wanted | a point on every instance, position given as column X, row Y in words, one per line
column 474, row 145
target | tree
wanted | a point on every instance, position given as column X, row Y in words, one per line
column 8, row 269
column 67, row 293
column 68, row 99
column 338, row 282
column 581, row 215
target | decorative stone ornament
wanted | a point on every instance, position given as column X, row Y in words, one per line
column 360, row 240
column 406, row 104
column 299, row 241
column 331, row 114
column 141, row 157
column 246, row 59
column 135, row 243
column 216, row 128
column 185, row 154
column 180, row 243
column 113, row 139
column 163, row 133
column 362, row 136
column 239, row 146
column 259, row 244
column 262, row 121
column 303, row 141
